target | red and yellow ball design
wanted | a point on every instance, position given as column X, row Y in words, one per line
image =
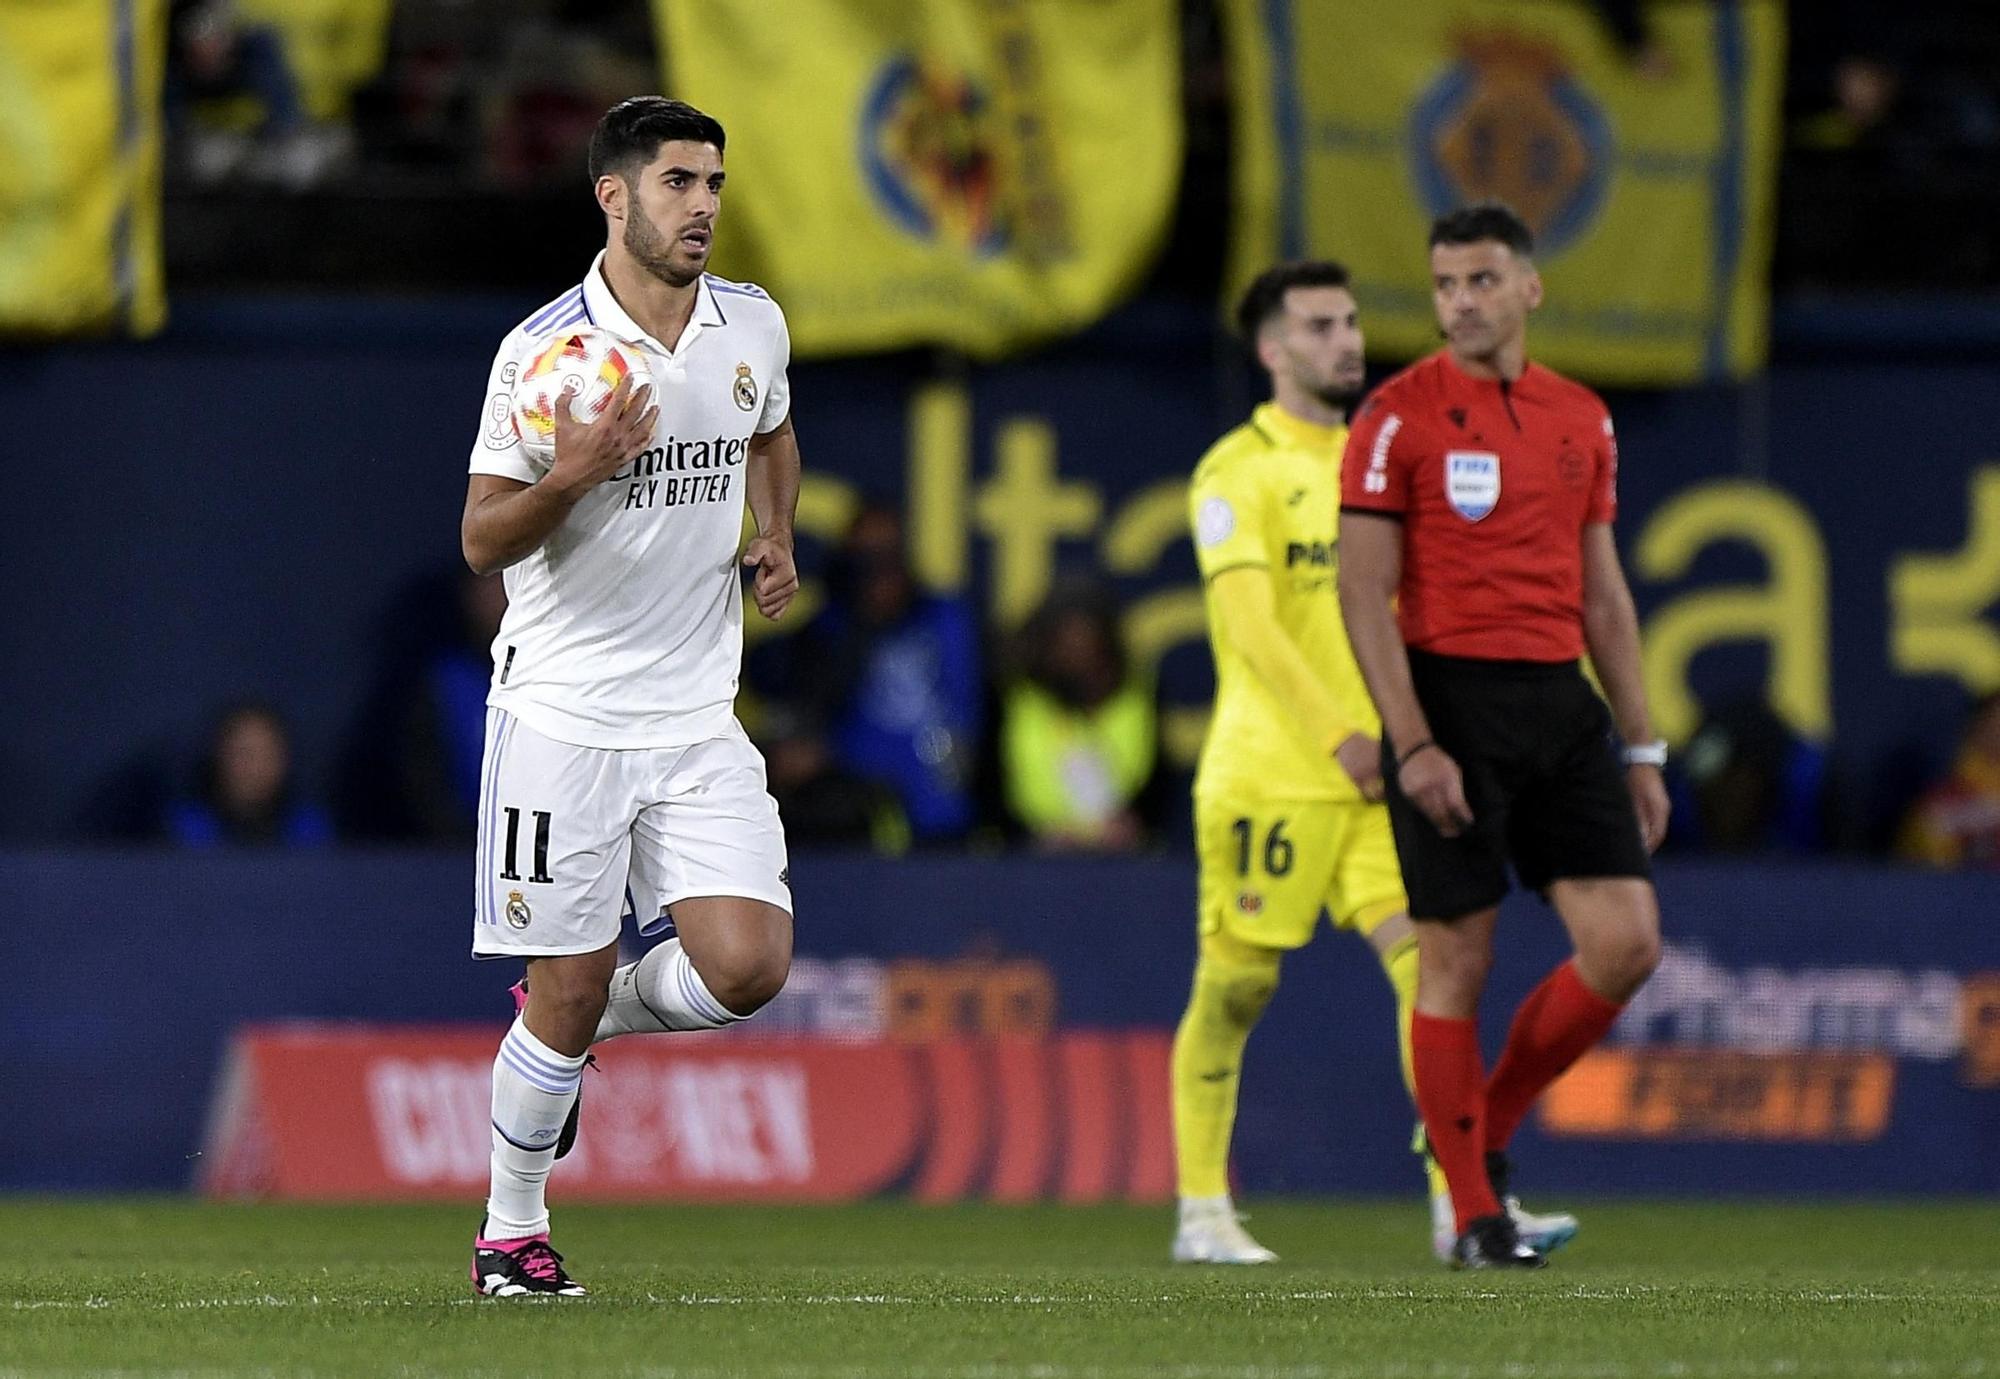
column 588, row 363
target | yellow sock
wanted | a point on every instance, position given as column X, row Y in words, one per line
column 1399, row 965
column 1233, row 983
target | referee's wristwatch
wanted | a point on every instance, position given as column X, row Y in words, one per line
column 1652, row 753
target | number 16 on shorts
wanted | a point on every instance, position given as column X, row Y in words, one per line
column 1267, row 873
column 1250, row 875
column 1275, row 852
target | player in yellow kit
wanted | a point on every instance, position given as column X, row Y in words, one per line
column 1288, row 816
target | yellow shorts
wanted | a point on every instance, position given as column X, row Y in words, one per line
column 1270, row 868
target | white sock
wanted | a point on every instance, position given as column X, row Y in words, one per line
column 1201, row 1208
column 533, row 1089
column 661, row 991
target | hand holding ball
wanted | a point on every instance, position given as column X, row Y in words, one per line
column 589, row 364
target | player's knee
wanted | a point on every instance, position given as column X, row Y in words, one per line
column 1456, row 967
column 1617, row 963
column 1634, row 957
column 1646, row 953
column 569, row 1004
column 1245, row 995
column 1241, row 977
column 746, row 981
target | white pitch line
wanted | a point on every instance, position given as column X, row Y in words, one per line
column 1039, row 1300
column 1770, row 1369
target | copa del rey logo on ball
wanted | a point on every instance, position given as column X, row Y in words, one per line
column 588, row 363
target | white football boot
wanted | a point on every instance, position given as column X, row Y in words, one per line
column 1211, row 1232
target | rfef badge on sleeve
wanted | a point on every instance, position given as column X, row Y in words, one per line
column 1471, row 482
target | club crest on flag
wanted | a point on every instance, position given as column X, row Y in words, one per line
column 1510, row 119
column 929, row 147
column 1471, row 482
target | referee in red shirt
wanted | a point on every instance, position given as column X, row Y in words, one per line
column 1476, row 565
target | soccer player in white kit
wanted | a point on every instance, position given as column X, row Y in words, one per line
column 616, row 775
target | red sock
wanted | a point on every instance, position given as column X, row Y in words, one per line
column 1452, row 1101
column 1560, row 1021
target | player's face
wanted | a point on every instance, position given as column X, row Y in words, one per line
column 671, row 210
column 1483, row 295
column 1317, row 342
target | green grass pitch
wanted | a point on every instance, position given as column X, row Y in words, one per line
column 149, row 1286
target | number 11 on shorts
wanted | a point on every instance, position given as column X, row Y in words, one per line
column 511, row 872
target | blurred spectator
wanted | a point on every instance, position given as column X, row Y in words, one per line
column 233, row 105
column 1870, row 76
column 411, row 770
column 1864, row 91
column 246, row 794
column 894, row 673
column 1876, row 106
column 1079, row 729
column 1957, row 821
column 556, row 77
column 422, row 111
column 502, row 92
column 825, row 805
column 1746, row 782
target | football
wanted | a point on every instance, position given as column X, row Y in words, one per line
column 585, row 361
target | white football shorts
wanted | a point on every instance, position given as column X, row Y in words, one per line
column 573, row 838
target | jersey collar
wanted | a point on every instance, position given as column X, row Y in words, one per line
column 1530, row 375
column 605, row 311
column 1276, row 422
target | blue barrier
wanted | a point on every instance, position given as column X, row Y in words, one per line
column 1801, row 985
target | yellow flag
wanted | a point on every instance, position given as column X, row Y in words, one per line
column 1651, row 198
column 80, row 166
column 978, row 174
column 334, row 46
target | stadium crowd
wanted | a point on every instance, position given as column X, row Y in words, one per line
column 895, row 721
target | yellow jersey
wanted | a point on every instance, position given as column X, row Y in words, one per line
column 1268, row 494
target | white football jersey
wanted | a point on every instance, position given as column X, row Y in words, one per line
column 626, row 628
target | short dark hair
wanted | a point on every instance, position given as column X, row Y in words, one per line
column 631, row 133
column 1265, row 297
column 1483, row 221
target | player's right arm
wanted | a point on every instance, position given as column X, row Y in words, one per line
column 1227, row 507
column 506, row 519
column 1246, row 614
column 1374, row 494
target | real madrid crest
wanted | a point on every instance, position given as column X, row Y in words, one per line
column 745, row 388
column 518, row 913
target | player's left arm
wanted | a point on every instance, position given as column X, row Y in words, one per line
column 1611, row 629
column 772, row 473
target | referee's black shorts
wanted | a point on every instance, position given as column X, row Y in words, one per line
column 1542, row 775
